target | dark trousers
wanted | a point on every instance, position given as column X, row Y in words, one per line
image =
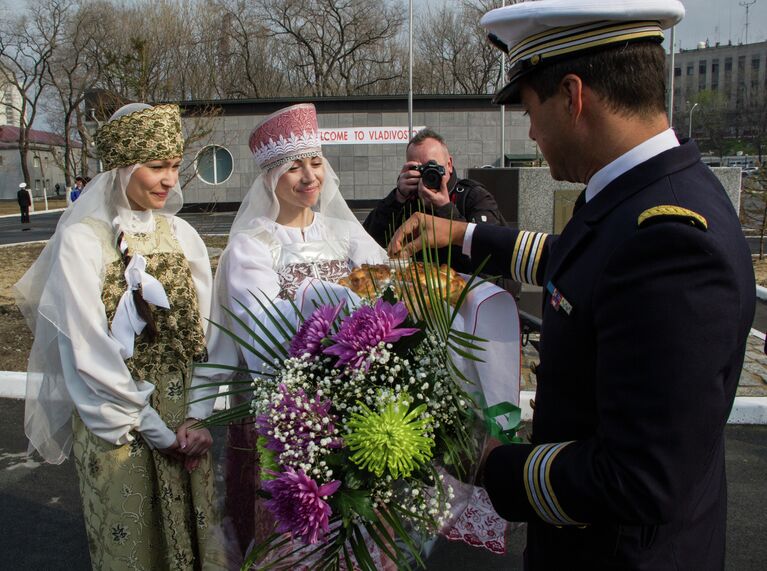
column 24, row 214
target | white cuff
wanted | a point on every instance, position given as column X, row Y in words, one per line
column 153, row 430
column 466, row 249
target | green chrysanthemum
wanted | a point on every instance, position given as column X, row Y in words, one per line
column 392, row 439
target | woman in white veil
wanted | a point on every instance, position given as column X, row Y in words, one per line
column 293, row 224
column 117, row 301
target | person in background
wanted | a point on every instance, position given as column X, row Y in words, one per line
column 428, row 180
column 649, row 298
column 118, row 302
column 25, row 201
column 77, row 189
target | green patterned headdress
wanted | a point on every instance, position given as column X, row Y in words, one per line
column 147, row 135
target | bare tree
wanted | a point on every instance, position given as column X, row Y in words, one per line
column 754, row 119
column 714, row 120
column 753, row 212
column 249, row 62
column 330, row 43
column 454, row 55
column 73, row 72
column 27, row 45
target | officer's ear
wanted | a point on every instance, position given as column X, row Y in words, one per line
column 571, row 88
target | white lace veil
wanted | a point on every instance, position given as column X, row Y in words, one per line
column 261, row 202
column 48, row 412
column 259, row 210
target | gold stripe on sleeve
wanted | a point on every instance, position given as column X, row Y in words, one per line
column 538, row 253
column 551, row 497
column 514, row 254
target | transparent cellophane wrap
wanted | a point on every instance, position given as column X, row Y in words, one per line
column 492, row 380
column 490, row 313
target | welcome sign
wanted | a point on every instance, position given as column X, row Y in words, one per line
column 367, row 135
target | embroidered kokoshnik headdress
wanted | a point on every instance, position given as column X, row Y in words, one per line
column 142, row 136
column 286, row 135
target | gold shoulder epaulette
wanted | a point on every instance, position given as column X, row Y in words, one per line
column 671, row 212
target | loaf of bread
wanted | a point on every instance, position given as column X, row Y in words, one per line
column 369, row 281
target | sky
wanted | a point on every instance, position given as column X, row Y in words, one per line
column 715, row 20
column 721, row 21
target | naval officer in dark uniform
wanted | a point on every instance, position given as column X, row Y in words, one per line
column 649, row 299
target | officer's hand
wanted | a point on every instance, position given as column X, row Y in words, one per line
column 422, row 230
column 490, row 445
column 407, row 182
column 435, row 197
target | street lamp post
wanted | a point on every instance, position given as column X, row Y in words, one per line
column 689, row 133
column 410, row 72
column 44, row 159
column 503, row 107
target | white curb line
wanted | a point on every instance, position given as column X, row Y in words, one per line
column 35, row 213
column 13, row 385
column 761, row 292
column 746, row 410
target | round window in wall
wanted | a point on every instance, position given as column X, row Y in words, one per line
column 214, row 164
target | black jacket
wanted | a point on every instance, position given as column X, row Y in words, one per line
column 645, row 320
column 469, row 202
column 22, row 196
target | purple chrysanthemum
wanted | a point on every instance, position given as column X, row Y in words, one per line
column 295, row 420
column 365, row 329
column 298, row 505
column 317, row 326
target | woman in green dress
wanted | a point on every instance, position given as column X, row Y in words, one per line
column 117, row 301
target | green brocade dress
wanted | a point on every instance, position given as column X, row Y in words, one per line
column 142, row 509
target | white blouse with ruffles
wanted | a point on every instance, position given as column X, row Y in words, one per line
column 109, row 401
column 259, row 264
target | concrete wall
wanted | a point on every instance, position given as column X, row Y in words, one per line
column 537, row 194
column 470, row 125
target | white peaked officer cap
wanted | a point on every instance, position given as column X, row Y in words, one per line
column 22, row 185
column 536, row 33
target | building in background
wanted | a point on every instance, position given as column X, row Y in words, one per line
column 10, row 103
column 364, row 139
column 45, row 163
column 733, row 75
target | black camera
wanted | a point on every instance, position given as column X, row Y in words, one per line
column 431, row 174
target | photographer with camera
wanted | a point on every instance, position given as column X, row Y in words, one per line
column 428, row 181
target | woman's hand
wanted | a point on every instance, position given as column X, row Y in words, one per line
column 191, row 463
column 173, row 451
column 193, row 441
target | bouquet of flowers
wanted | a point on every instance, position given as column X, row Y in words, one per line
column 360, row 412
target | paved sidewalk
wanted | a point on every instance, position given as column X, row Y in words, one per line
column 41, row 525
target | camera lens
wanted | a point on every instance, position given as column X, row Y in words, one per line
column 431, row 174
column 431, row 178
